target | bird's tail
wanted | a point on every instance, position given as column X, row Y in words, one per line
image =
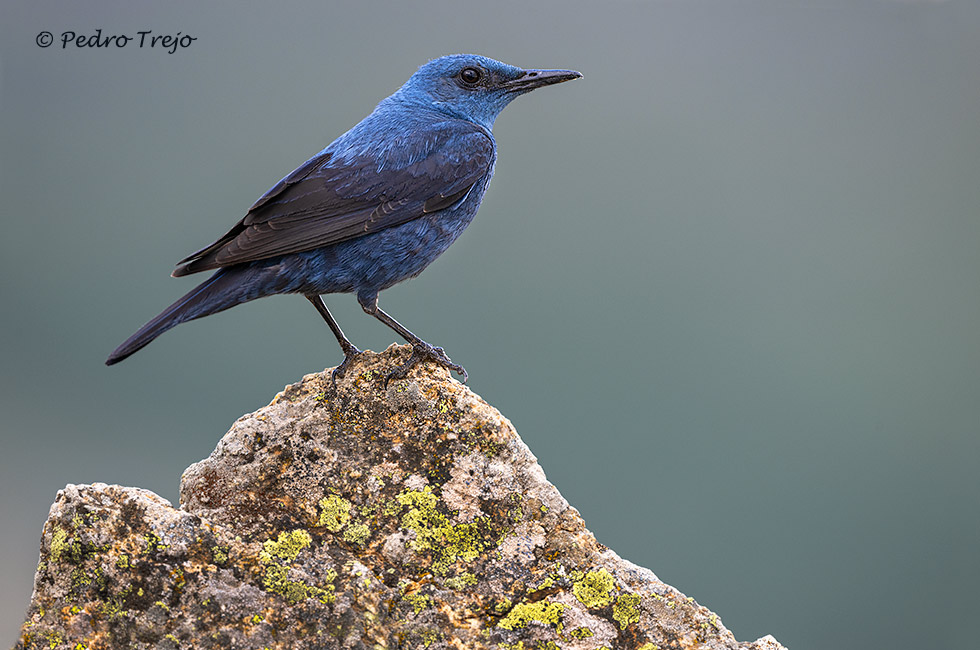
column 222, row 290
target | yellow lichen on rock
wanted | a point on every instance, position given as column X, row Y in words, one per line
column 435, row 533
column 592, row 590
column 277, row 555
column 626, row 610
column 334, row 512
column 523, row 614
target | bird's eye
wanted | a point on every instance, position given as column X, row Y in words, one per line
column 470, row 76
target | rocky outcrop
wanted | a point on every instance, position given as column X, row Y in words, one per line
column 352, row 514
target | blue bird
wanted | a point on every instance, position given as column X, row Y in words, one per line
column 375, row 207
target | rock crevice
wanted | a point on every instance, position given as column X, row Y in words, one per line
column 349, row 514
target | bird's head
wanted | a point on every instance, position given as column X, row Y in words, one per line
column 474, row 87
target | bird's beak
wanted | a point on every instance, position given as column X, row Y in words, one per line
column 532, row 79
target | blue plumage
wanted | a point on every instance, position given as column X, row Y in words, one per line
column 375, row 207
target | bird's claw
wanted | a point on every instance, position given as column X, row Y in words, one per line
column 349, row 357
column 427, row 352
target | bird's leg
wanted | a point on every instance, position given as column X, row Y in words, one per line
column 421, row 351
column 350, row 350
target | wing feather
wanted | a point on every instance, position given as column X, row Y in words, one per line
column 326, row 200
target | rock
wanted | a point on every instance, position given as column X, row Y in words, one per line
column 351, row 515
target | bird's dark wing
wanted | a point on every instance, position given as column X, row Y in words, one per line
column 325, row 201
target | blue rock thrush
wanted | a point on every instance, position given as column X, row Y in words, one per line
column 375, row 207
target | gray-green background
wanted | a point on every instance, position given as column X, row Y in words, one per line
column 727, row 286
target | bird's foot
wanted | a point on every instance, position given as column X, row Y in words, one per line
column 350, row 354
column 422, row 351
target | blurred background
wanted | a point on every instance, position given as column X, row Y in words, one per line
column 727, row 287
